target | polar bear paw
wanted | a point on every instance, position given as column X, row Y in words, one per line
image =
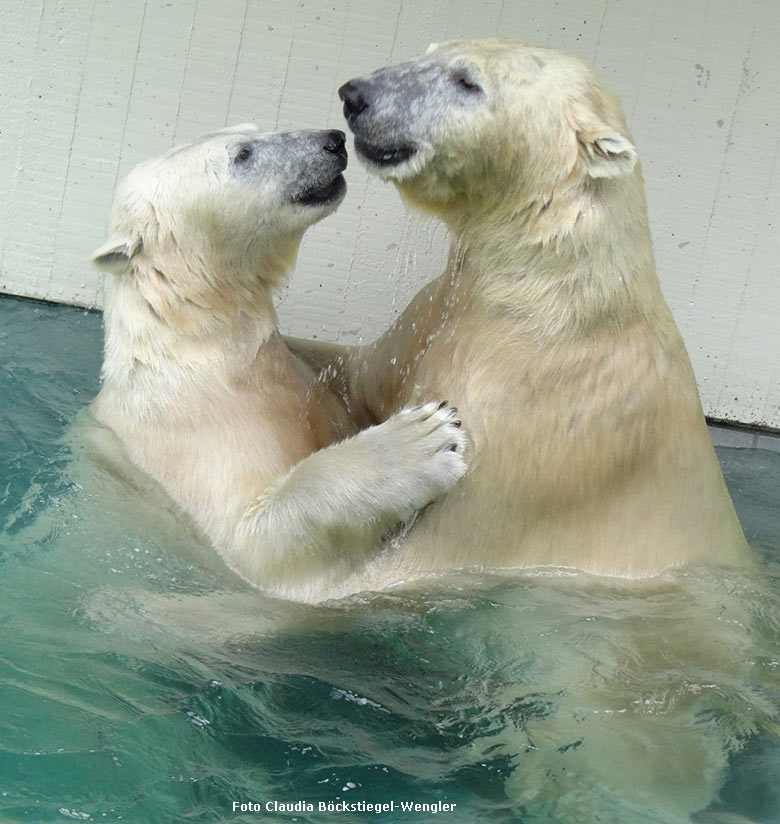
column 421, row 449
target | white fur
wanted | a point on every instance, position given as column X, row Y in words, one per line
column 206, row 397
column 548, row 329
column 590, row 451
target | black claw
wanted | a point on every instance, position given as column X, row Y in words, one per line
column 442, row 404
column 452, row 448
column 457, row 423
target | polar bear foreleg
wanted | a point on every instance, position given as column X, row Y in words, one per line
column 320, row 522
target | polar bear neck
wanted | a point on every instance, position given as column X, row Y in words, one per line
column 564, row 263
column 156, row 357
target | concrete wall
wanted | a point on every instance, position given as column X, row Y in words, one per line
column 91, row 87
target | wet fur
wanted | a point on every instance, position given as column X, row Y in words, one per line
column 589, row 450
column 548, row 330
column 206, row 397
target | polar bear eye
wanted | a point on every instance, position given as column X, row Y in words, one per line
column 244, row 153
column 463, row 81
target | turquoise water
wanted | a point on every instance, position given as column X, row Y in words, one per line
column 141, row 682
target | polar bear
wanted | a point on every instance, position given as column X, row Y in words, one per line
column 548, row 329
column 205, row 396
column 589, row 450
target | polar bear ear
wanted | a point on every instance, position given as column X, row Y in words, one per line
column 115, row 254
column 607, row 153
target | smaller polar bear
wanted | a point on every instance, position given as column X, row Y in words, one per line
column 206, row 397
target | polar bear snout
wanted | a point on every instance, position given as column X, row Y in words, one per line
column 303, row 167
column 336, row 143
column 374, row 142
column 318, row 176
column 401, row 115
column 353, row 96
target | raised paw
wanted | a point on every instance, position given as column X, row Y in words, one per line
column 422, row 454
column 433, row 427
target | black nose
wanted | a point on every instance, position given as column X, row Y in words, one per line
column 335, row 143
column 354, row 98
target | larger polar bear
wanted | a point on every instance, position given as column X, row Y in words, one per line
column 548, row 330
column 206, row 397
column 590, row 451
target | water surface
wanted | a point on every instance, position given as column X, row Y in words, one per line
column 140, row 681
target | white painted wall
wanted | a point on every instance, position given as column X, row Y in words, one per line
column 90, row 87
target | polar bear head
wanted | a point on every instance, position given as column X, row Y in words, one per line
column 210, row 223
column 471, row 124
